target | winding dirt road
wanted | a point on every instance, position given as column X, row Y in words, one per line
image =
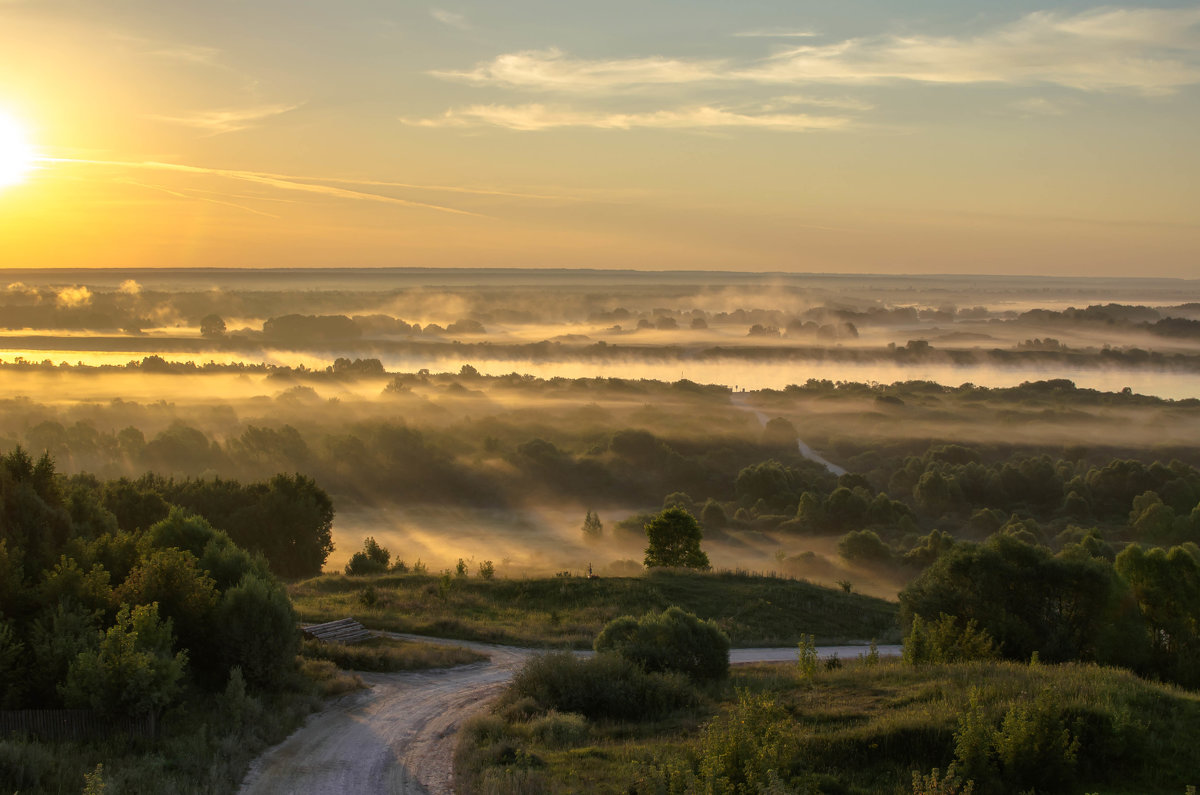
column 399, row 736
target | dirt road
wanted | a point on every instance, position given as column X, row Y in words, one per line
column 399, row 736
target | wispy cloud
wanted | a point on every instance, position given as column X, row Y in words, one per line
column 280, row 181
column 553, row 70
column 1153, row 51
column 450, row 18
column 1038, row 106
column 189, row 53
column 219, row 122
column 1147, row 50
column 542, row 117
column 776, row 33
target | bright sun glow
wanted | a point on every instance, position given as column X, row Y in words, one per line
column 16, row 153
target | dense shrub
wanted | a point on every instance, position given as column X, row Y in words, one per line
column 752, row 748
column 1031, row 749
column 371, row 559
column 673, row 640
column 947, row 640
column 604, row 687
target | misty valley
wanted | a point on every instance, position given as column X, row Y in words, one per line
column 993, row 480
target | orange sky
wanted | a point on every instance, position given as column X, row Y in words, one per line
column 950, row 137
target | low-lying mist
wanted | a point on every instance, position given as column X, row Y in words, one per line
column 478, row 415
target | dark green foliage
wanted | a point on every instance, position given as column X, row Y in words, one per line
column 592, row 528
column 135, row 508
column 258, row 631
column 130, row 606
column 55, row 639
column 929, row 549
column 288, row 518
column 181, row 530
column 172, row 579
column 1028, row 600
column 864, row 546
column 673, row 640
column 750, row 749
column 603, row 687
column 713, row 516
column 133, row 669
column 371, row 559
column 1031, row 749
column 674, row 541
column 946, row 640
column 1166, row 587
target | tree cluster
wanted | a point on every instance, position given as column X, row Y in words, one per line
column 120, row 611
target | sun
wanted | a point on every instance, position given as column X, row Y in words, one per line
column 16, row 153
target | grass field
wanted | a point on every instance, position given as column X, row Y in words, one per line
column 387, row 655
column 569, row 611
column 857, row 729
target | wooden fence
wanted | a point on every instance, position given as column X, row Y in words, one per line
column 74, row 724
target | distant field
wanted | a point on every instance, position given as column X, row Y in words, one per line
column 570, row 611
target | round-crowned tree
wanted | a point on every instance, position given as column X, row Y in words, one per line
column 674, row 540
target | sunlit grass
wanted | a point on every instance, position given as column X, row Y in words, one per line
column 864, row 728
column 570, row 611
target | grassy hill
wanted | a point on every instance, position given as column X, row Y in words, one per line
column 863, row 729
column 570, row 611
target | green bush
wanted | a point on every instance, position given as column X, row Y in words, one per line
column 603, row 687
column 750, row 749
column 1031, row 748
column 673, row 640
column 259, row 631
column 372, row 559
column 944, row 641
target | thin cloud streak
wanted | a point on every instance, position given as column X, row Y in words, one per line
column 189, row 53
column 280, row 181
column 776, row 34
column 190, row 196
column 219, row 122
column 1151, row 51
column 540, row 117
column 552, row 69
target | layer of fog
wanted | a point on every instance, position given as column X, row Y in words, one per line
column 544, row 541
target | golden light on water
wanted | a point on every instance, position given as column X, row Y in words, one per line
column 16, row 152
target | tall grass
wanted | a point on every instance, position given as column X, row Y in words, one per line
column 205, row 746
column 386, row 655
column 871, row 727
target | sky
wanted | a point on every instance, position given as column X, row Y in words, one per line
column 932, row 136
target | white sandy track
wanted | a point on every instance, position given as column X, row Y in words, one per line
column 399, row 736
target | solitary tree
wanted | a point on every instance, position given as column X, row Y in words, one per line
column 592, row 529
column 212, row 326
column 674, row 537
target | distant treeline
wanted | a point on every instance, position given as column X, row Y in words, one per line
column 324, row 317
